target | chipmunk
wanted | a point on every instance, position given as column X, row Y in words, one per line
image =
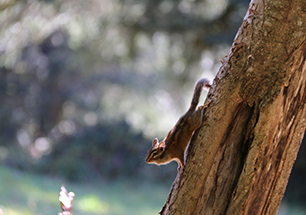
column 174, row 145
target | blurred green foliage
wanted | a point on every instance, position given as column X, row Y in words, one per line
column 86, row 85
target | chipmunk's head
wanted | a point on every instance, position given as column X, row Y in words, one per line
column 157, row 153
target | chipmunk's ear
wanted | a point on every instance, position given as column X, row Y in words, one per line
column 162, row 144
column 154, row 142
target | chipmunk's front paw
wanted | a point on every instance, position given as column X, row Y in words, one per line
column 180, row 169
column 207, row 103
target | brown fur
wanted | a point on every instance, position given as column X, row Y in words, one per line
column 174, row 144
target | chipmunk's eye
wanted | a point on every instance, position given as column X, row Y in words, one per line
column 154, row 154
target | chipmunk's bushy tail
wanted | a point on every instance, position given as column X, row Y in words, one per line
column 197, row 93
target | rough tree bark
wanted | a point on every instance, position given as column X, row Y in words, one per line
column 240, row 160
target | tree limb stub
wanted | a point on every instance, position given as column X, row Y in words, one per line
column 240, row 160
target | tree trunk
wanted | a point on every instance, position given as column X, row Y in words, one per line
column 240, row 160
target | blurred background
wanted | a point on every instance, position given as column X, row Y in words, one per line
column 85, row 86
